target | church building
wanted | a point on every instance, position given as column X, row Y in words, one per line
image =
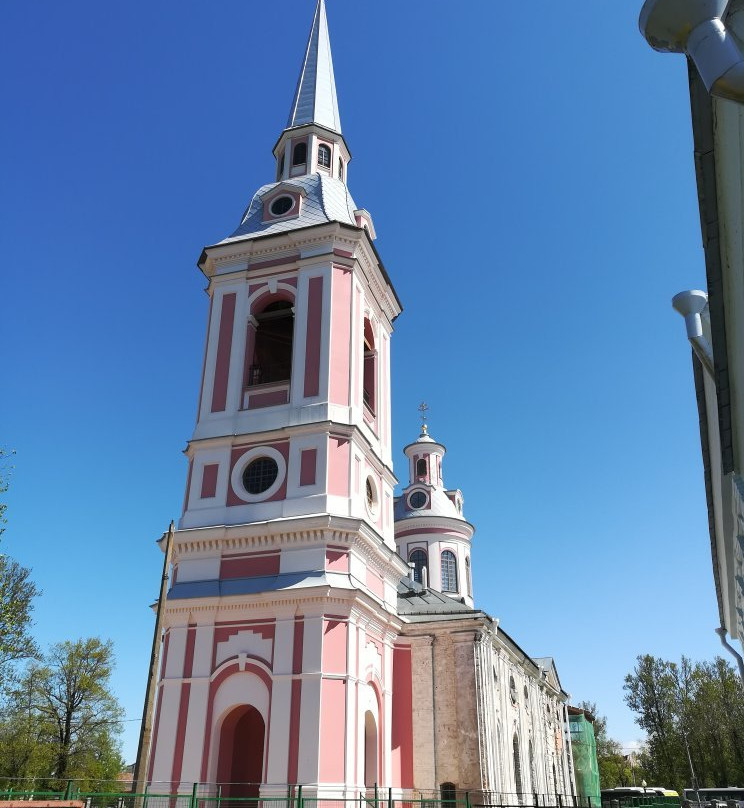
column 318, row 629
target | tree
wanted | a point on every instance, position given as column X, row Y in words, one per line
column 17, row 592
column 693, row 714
column 71, row 721
column 4, row 454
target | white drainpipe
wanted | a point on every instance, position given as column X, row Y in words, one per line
column 690, row 305
column 696, row 27
column 721, row 632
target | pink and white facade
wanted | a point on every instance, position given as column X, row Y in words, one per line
column 287, row 655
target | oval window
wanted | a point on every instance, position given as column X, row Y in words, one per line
column 260, row 475
column 282, row 205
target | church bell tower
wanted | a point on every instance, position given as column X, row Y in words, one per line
column 280, row 652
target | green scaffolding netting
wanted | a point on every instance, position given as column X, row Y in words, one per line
column 584, row 749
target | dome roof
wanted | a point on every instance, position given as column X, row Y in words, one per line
column 326, row 199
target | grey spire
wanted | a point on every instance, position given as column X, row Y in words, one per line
column 315, row 99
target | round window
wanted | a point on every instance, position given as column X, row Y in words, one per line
column 282, row 205
column 260, row 475
column 370, row 490
column 418, row 499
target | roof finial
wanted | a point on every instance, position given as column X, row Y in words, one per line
column 315, row 98
column 424, row 409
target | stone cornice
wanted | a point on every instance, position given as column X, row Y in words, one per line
column 348, row 532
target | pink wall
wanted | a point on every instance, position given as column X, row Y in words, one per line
column 224, row 347
column 272, row 399
column 332, row 730
column 339, row 457
column 402, row 729
column 308, row 466
column 209, row 480
column 374, row 583
column 312, row 341
column 249, row 566
column 340, row 334
column 334, row 646
column 337, row 560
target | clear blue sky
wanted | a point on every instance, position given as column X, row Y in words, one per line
column 529, row 169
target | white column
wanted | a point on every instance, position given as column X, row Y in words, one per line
column 197, row 713
column 281, row 700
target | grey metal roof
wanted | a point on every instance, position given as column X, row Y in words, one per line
column 417, row 604
column 183, row 590
column 327, row 199
column 315, row 98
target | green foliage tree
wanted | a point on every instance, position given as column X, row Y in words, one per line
column 62, row 721
column 17, row 593
column 693, row 715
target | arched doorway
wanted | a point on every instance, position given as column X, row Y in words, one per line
column 241, row 753
column 370, row 750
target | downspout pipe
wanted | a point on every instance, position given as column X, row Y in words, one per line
column 691, row 305
column 721, row 632
column 696, row 27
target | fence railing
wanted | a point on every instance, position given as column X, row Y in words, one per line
column 243, row 795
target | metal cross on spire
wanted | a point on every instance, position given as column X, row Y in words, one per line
column 423, row 409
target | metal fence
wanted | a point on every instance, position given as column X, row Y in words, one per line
column 243, row 795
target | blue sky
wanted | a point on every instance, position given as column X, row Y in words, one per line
column 531, row 178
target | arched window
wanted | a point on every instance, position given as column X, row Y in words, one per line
column 341, row 169
column 448, row 792
column 449, row 572
column 281, row 168
column 468, row 577
column 299, row 155
column 272, row 353
column 517, row 768
column 324, row 156
column 419, row 560
column 421, row 468
column 370, row 367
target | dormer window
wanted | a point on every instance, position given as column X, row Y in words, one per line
column 299, row 155
column 324, row 156
column 282, row 205
column 417, row 500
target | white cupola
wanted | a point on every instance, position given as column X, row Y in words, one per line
column 431, row 533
